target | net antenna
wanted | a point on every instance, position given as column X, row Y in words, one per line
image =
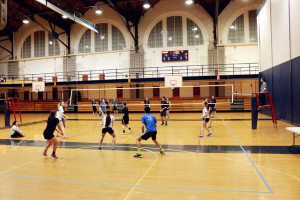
column 38, row 86
column 173, row 81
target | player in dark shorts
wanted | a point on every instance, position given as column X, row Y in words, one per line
column 212, row 109
column 163, row 111
column 205, row 120
column 107, row 127
column 94, row 106
column 115, row 106
column 146, row 102
column 49, row 133
column 149, row 122
column 125, row 118
column 168, row 102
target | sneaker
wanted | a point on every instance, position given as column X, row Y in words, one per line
column 138, row 155
column 201, row 136
column 44, row 154
column 113, row 148
column 166, row 124
column 162, row 152
column 100, row 148
column 209, row 134
column 53, row 155
column 162, row 124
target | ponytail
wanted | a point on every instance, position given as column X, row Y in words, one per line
column 108, row 119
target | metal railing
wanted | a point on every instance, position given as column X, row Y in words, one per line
column 137, row 73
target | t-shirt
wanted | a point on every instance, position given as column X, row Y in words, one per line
column 59, row 114
column 263, row 87
column 13, row 129
column 212, row 103
column 112, row 119
column 51, row 125
column 103, row 107
column 115, row 103
column 147, row 103
column 205, row 113
column 125, row 111
column 164, row 105
column 150, row 122
column 94, row 103
column 168, row 105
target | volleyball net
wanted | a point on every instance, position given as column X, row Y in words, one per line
column 182, row 98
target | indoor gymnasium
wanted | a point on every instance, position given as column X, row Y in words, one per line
column 149, row 99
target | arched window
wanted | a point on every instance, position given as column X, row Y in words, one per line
column 174, row 28
column 236, row 31
column 85, row 42
column 194, row 34
column 155, row 39
column 118, row 40
column 26, row 48
column 101, row 38
column 53, row 46
column 252, row 26
column 39, row 44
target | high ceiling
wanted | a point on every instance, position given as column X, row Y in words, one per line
column 131, row 10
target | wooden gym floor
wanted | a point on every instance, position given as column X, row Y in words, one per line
column 235, row 163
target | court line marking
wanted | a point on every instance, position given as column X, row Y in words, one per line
column 2, row 174
column 220, row 157
column 19, row 166
column 128, row 185
column 143, row 176
column 248, row 157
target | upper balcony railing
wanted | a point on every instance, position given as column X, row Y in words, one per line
column 136, row 73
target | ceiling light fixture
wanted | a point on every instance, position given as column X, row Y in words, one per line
column 146, row 5
column 25, row 21
column 98, row 11
column 189, row 2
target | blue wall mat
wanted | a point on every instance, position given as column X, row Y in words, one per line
column 296, row 90
column 282, row 90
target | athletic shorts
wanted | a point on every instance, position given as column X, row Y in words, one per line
column 125, row 120
column 147, row 135
column 48, row 136
column 108, row 130
column 163, row 113
column 205, row 119
column 94, row 109
column 115, row 108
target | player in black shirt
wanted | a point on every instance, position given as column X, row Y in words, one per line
column 147, row 102
column 125, row 118
column 163, row 111
column 49, row 133
column 212, row 109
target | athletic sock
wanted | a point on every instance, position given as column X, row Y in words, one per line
column 129, row 128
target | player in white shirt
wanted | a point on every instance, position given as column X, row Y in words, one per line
column 15, row 131
column 205, row 120
column 61, row 117
column 107, row 127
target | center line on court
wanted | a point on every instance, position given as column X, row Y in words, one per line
column 143, row 176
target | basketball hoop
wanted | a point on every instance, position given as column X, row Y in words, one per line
column 173, row 81
column 38, row 86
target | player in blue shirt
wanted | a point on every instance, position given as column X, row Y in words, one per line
column 149, row 122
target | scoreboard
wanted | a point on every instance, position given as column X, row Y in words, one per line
column 178, row 55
